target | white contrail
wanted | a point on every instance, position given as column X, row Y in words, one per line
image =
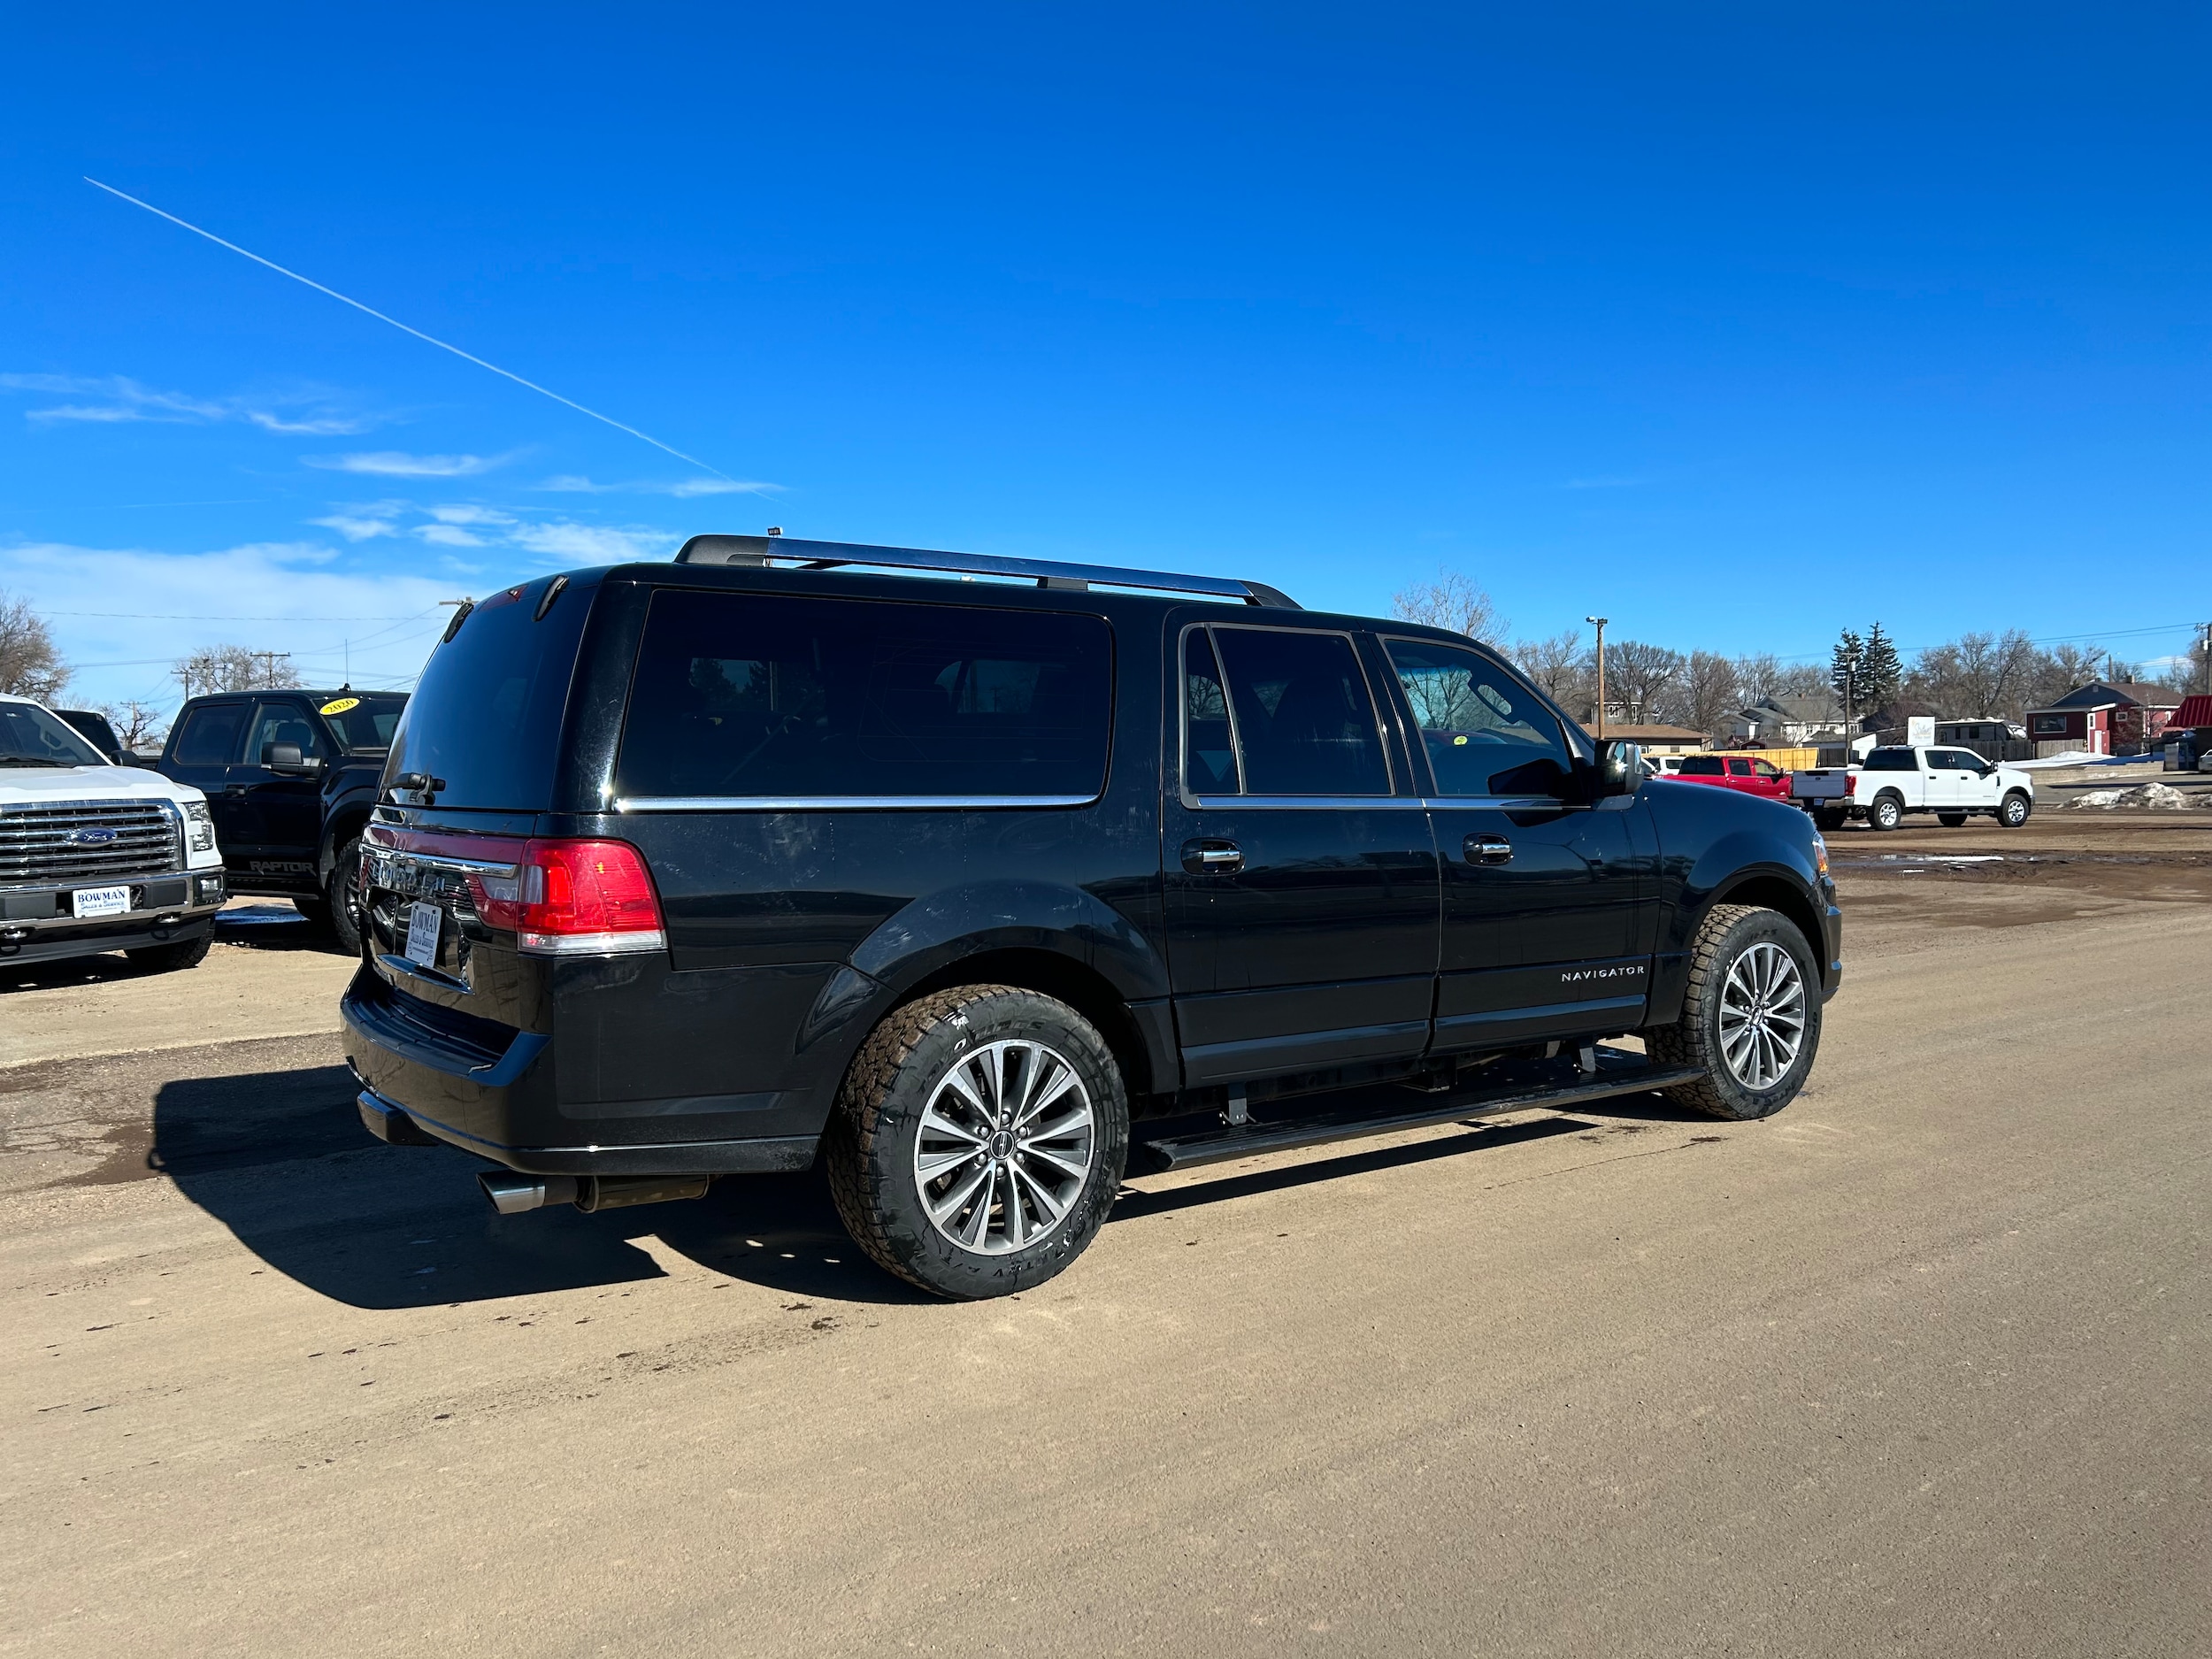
column 431, row 339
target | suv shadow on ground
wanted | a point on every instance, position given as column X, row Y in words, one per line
column 281, row 1160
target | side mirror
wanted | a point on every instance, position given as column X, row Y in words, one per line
column 1620, row 768
column 286, row 757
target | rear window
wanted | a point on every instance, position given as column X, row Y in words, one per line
column 486, row 715
column 746, row 695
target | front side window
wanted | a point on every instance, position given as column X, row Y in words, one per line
column 210, row 734
column 1303, row 720
column 284, row 722
column 364, row 720
column 744, row 695
column 1484, row 732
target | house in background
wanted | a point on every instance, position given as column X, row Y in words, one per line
column 1655, row 739
column 2103, row 719
column 1787, row 722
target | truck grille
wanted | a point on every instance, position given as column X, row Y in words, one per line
column 87, row 840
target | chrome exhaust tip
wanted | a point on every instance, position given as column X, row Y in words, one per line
column 513, row 1194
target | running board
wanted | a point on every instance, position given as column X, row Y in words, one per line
column 1618, row 1073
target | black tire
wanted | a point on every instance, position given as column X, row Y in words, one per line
column 342, row 896
column 875, row 1139
column 1951, row 821
column 1827, row 822
column 1729, row 933
column 316, row 910
column 2013, row 811
column 1886, row 813
column 184, row 953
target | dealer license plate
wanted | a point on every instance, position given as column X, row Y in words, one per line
column 100, row 902
column 423, row 923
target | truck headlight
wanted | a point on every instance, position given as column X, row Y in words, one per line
column 199, row 828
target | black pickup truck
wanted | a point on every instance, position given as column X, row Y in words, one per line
column 984, row 891
column 290, row 776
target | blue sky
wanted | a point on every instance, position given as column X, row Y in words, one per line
column 1735, row 323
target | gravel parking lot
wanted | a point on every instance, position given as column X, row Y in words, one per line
column 1917, row 1366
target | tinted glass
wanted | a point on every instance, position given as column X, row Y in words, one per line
column 29, row 736
column 1891, row 760
column 754, row 696
column 1700, row 766
column 1484, row 733
column 210, row 734
column 1764, row 769
column 1305, row 723
column 1739, row 769
column 285, row 722
column 486, row 715
column 364, row 719
column 1209, row 762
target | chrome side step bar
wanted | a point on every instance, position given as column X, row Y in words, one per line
column 1616, row 1072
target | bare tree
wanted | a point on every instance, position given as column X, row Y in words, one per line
column 234, row 668
column 29, row 664
column 1636, row 675
column 1801, row 680
column 1757, row 675
column 1706, row 694
column 1556, row 664
column 1452, row 601
column 135, row 722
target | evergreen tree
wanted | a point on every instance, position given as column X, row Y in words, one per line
column 1847, row 670
column 1879, row 670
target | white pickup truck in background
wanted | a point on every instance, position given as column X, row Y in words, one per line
column 1955, row 784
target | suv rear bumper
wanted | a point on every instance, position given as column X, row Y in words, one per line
column 419, row 1081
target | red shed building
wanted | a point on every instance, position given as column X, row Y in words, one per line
column 2103, row 719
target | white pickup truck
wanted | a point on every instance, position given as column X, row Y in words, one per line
column 1955, row 784
column 95, row 857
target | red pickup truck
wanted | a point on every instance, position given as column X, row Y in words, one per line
column 1745, row 772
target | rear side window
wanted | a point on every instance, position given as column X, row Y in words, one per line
column 760, row 696
column 211, row 735
column 1892, row 760
column 1298, row 709
column 486, row 715
column 1700, row 766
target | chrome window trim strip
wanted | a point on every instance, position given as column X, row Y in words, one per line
column 845, row 802
column 440, row 861
column 1383, row 802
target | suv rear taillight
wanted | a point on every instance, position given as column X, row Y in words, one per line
column 573, row 898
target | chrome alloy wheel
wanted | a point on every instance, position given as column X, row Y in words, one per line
column 1761, row 1016
column 1006, row 1144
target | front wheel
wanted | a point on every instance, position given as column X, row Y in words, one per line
column 1751, row 1017
column 979, row 1141
column 2013, row 812
column 184, row 953
column 1886, row 813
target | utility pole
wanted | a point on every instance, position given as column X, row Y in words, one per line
column 1601, row 622
column 269, row 662
column 2204, row 659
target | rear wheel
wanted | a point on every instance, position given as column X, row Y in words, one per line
column 1886, row 813
column 316, row 910
column 184, row 953
column 1827, row 820
column 2013, row 812
column 1950, row 821
column 979, row 1141
column 1750, row 1019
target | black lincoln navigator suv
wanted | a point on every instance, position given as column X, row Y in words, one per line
column 982, row 890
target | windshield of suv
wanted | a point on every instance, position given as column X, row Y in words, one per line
column 362, row 719
column 29, row 736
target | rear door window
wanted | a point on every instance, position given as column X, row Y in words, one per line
column 1304, row 718
column 1739, row 769
column 759, row 696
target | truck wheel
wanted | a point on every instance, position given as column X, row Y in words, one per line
column 317, row 912
column 185, row 953
column 342, row 896
column 979, row 1141
column 1827, row 822
column 2013, row 812
column 1886, row 813
column 1750, row 1019
column 1950, row 821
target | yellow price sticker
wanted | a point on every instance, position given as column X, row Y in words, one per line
column 340, row 706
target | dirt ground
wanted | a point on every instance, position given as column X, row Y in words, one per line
column 1916, row 1367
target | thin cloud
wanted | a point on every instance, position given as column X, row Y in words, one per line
column 1606, row 483
column 591, row 543
column 124, row 399
column 463, row 514
column 394, row 464
column 447, row 535
column 357, row 529
column 682, row 489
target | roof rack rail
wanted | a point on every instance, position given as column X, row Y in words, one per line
column 822, row 556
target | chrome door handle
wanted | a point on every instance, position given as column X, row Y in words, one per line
column 1487, row 850
column 1212, row 858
